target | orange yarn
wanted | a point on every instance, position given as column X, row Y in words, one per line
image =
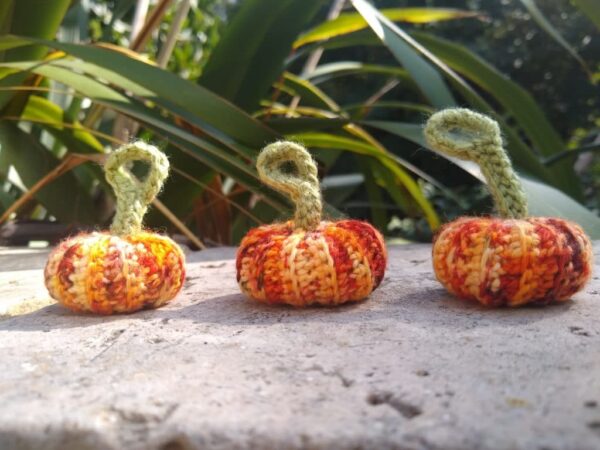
column 106, row 274
column 512, row 262
column 127, row 269
column 336, row 263
column 307, row 261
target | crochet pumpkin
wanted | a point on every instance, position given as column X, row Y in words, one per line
column 126, row 269
column 509, row 260
column 307, row 261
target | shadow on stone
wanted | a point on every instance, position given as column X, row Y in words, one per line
column 431, row 307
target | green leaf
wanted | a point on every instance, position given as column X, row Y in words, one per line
column 52, row 118
column 590, row 8
column 538, row 194
column 33, row 162
column 401, row 45
column 251, row 53
column 560, row 205
column 32, row 18
column 519, row 103
column 425, row 110
column 206, row 152
column 375, row 195
column 161, row 86
column 329, row 141
column 350, row 22
column 519, row 151
column 326, row 72
column 286, row 125
column 310, row 94
column 541, row 20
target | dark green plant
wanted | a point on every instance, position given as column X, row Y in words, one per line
column 250, row 88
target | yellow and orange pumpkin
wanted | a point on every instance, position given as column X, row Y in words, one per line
column 510, row 260
column 307, row 261
column 126, row 269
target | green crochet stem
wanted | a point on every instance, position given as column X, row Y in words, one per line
column 302, row 186
column 133, row 195
column 468, row 135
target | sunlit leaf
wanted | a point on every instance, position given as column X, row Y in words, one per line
column 329, row 141
column 399, row 43
column 350, row 22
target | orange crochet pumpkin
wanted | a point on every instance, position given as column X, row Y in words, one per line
column 307, row 261
column 127, row 269
column 509, row 260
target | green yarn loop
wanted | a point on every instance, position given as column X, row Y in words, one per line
column 133, row 195
column 471, row 136
column 302, row 186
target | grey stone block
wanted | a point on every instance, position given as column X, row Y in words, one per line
column 410, row 368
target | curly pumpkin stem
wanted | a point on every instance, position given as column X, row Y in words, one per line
column 302, row 186
column 133, row 195
column 468, row 135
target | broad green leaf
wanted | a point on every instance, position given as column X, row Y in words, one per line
column 168, row 87
column 590, row 8
column 206, row 152
column 428, row 79
column 52, row 117
column 33, row 162
column 286, row 125
column 350, row 22
column 32, row 18
column 250, row 55
column 560, row 205
column 541, row 20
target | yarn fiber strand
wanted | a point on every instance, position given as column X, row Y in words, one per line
column 302, row 187
column 471, row 136
column 133, row 195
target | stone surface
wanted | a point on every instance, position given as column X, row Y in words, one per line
column 411, row 368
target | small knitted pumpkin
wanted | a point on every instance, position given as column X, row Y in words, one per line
column 126, row 269
column 307, row 261
column 509, row 260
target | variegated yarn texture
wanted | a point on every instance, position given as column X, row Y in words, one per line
column 509, row 260
column 512, row 262
column 126, row 269
column 307, row 261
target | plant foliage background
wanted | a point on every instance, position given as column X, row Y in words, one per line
column 212, row 81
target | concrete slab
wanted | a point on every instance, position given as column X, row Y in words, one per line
column 411, row 368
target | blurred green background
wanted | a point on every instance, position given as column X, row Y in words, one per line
column 212, row 81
